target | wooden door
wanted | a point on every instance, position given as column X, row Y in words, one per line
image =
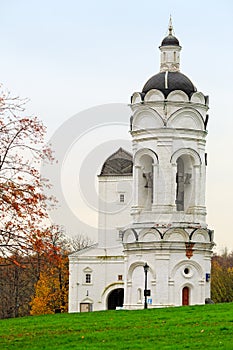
column 185, row 296
column 85, row 307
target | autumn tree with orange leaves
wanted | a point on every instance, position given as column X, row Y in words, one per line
column 222, row 277
column 23, row 203
column 51, row 289
column 33, row 253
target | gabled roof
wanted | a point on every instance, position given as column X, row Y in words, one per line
column 84, row 250
column 119, row 163
column 96, row 252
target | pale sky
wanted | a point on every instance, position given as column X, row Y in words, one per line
column 68, row 56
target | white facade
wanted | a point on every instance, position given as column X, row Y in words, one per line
column 164, row 223
column 104, row 261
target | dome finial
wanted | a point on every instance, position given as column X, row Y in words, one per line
column 170, row 51
column 170, row 27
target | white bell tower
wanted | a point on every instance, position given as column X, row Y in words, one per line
column 168, row 230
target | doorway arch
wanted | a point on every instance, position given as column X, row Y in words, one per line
column 185, row 296
column 115, row 298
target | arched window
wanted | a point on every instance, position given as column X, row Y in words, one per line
column 146, row 187
column 180, row 185
column 185, row 192
column 145, row 167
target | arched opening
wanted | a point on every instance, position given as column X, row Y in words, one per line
column 180, row 185
column 185, row 192
column 185, row 296
column 116, row 299
column 146, row 182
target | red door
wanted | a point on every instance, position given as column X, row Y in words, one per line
column 185, row 296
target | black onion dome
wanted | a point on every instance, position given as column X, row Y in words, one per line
column 170, row 40
column 170, row 81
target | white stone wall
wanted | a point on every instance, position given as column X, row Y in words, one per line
column 104, row 270
column 169, row 272
column 113, row 214
column 105, row 261
column 166, row 131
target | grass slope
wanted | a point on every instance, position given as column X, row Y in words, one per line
column 192, row 327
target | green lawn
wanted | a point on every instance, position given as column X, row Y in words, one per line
column 190, row 327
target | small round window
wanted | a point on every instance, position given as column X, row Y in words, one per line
column 187, row 271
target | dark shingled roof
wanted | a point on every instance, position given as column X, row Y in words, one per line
column 166, row 84
column 170, row 40
column 119, row 163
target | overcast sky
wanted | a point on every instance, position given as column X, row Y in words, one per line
column 67, row 56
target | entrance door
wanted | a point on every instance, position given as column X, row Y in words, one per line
column 85, row 307
column 185, row 296
column 116, row 298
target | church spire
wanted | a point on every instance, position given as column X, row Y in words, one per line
column 170, row 51
column 170, row 27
